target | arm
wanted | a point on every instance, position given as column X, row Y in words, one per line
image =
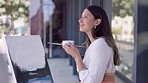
column 98, row 64
column 74, row 52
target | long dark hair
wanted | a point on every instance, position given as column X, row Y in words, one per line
column 103, row 30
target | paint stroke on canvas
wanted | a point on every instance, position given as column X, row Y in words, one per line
column 28, row 58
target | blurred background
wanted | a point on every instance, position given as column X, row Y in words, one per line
column 57, row 20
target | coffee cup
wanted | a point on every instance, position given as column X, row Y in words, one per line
column 67, row 42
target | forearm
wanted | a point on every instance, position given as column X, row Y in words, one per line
column 81, row 66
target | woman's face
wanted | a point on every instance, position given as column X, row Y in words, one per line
column 87, row 21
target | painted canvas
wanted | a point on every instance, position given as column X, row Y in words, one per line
column 27, row 59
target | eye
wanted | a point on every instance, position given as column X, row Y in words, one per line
column 83, row 17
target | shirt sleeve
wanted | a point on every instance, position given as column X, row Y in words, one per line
column 99, row 60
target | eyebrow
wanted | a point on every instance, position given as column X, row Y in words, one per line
column 86, row 14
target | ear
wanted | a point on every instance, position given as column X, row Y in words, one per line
column 98, row 21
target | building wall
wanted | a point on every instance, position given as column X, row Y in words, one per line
column 141, row 42
column 36, row 17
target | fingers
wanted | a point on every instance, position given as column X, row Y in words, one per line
column 67, row 48
column 71, row 50
column 68, row 45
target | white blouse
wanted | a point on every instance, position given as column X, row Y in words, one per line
column 98, row 60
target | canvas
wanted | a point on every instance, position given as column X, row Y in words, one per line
column 26, row 58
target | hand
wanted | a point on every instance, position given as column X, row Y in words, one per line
column 71, row 50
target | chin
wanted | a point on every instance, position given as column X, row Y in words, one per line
column 81, row 30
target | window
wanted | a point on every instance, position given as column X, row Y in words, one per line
column 122, row 27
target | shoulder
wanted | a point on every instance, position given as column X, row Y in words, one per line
column 100, row 46
column 99, row 42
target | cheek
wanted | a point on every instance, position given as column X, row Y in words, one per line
column 88, row 25
column 86, row 28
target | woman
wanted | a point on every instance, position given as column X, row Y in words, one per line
column 101, row 56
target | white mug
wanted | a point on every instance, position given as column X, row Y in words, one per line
column 67, row 42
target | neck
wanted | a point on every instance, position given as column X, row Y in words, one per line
column 90, row 36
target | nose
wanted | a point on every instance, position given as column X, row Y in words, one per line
column 80, row 20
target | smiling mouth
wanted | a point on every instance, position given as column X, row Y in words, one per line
column 81, row 25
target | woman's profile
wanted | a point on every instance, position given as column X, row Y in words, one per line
column 101, row 56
